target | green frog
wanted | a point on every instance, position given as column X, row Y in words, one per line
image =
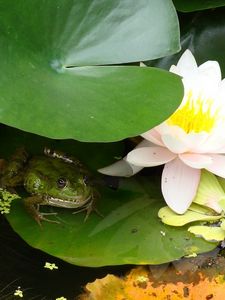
column 51, row 179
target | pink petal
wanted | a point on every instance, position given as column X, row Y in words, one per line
column 150, row 156
column 179, row 185
column 197, row 161
column 120, row 168
column 153, row 136
column 217, row 166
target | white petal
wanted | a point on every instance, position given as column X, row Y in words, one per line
column 178, row 141
column 195, row 141
column 217, row 166
column 186, row 65
column 142, row 64
column 195, row 160
column 215, row 143
column 174, row 130
column 220, row 150
column 174, row 69
column 222, row 88
column 174, row 144
column 120, row 168
column 150, row 156
column 179, row 185
column 211, row 70
column 153, row 136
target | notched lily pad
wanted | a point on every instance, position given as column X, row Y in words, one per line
column 130, row 231
column 54, row 60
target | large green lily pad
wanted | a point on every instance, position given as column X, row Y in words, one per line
column 52, row 79
column 130, row 231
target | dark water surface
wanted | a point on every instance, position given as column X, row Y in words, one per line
column 21, row 265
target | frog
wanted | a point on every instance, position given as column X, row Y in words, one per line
column 52, row 179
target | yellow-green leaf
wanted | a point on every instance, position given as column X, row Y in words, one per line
column 210, row 234
column 194, row 213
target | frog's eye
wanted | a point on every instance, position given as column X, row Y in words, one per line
column 61, row 182
column 86, row 179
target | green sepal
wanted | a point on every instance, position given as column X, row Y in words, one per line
column 209, row 193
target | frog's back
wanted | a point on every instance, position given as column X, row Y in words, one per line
column 43, row 172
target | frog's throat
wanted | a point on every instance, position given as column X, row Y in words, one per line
column 76, row 202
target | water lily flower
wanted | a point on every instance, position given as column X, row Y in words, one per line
column 191, row 139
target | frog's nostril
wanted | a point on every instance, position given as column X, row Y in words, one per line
column 61, row 182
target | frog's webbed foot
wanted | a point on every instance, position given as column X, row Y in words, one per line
column 41, row 217
column 32, row 206
column 90, row 206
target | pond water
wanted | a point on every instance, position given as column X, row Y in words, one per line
column 23, row 266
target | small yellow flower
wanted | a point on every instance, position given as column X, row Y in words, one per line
column 61, row 298
column 50, row 266
column 18, row 292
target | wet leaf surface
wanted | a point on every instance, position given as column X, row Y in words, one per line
column 52, row 79
column 130, row 231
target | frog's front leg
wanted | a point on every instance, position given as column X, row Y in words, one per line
column 32, row 206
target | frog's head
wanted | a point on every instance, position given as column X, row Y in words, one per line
column 61, row 184
column 69, row 191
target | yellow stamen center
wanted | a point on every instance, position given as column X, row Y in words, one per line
column 195, row 115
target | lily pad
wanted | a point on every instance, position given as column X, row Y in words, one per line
column 130, row 231
column 53, row 82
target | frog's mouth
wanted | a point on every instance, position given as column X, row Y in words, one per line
column 73, row 202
